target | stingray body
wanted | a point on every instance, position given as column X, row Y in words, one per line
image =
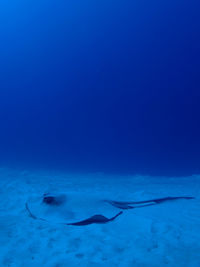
column 99, row 219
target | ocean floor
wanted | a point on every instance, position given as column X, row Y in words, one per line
column 166, row 234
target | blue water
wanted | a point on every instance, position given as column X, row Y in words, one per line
column 107, row 86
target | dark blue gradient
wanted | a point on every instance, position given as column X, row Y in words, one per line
column 109, row 86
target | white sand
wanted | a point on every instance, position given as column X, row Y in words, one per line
column 162, row 235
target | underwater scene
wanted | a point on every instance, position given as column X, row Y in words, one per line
column 99, row 133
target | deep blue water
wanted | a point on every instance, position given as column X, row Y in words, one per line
column 109, row 86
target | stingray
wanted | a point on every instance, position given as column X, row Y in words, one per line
column 144, row 203
column 57, row 203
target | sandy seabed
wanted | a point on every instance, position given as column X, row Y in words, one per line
column 161, row 235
